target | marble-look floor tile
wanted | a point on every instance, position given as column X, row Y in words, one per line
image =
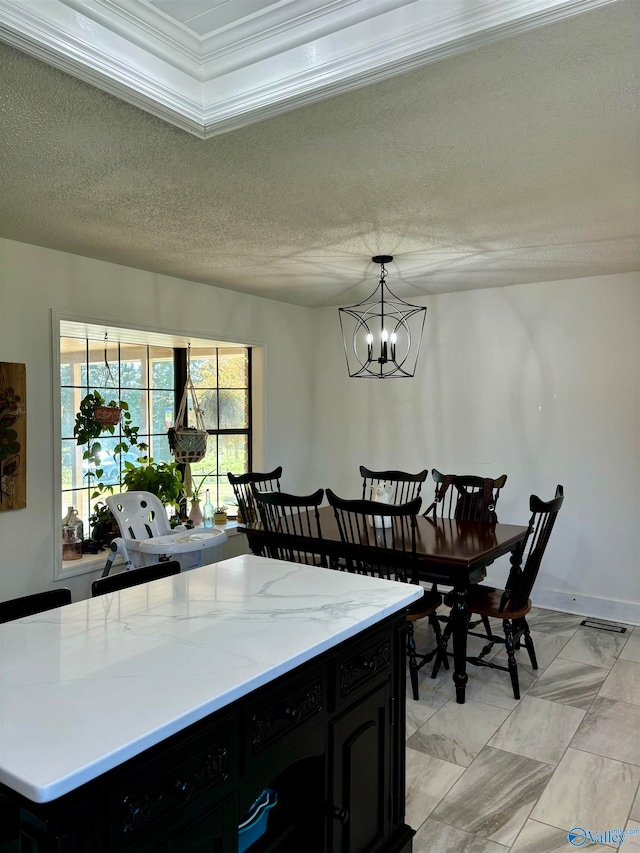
column 595, row 647
column 547, row 648
column 540, row 838
column 538, row 729
column 441, row 686
column 419, row 712
column 457, row 733
column 493, row 686
column 623, row 682
column 553, row 622
column 589, row 791
column 632, row 837
column 437, row 837
column 635, row 808
column 428, row 780
column 570, row 683
column 494, row 795
column 631, row 650
column 611, row 729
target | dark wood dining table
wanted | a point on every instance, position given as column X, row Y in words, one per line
column 449, row 552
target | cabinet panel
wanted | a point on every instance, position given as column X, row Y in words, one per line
column 175, row 792
column 360, row 744
column 365, row 664
column 282, row 716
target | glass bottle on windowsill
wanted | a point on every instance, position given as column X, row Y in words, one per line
column 71, row 543
column 72, row 519
column 207, row 512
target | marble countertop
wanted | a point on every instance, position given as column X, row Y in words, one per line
column 85, row 687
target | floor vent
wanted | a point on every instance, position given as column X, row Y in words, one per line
column 604, row 626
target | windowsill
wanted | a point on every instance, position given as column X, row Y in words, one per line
column 96, row 562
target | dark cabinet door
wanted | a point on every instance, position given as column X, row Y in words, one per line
column 360, row 802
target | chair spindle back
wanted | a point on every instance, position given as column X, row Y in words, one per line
column 292, row 523
column 404, row 487
column 377, row 536
column 242, row 483
column 466, row 497
column 543, row 518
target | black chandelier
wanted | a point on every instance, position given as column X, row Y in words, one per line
column 382, row 334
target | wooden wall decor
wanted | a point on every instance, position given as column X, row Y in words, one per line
column 13, row 436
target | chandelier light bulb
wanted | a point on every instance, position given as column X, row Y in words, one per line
column 369, row 346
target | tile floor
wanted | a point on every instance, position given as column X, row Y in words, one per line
column 499, row 776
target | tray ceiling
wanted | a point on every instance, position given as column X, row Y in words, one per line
column 209, row 66
column 508, row 161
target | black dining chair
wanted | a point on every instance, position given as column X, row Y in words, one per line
column 380, row 540
column 133, row 577
column 242, row 483
column 292, row 524
column 465, row 497
column 404, row 487
column 39, row 602
column 512, row 603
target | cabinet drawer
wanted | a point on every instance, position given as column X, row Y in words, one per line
column 174, row 791
column 363, row 665
column 286, row 712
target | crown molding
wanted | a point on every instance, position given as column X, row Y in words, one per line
column 264, row 64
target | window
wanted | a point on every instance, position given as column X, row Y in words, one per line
column 221, row 377
column 150, row 378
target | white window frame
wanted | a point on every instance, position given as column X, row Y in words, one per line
column 90, row 563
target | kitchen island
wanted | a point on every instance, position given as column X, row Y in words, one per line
column 152, row 718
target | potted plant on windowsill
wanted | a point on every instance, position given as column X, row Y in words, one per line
column 193, row 492
column 220, row 515
column 103, row 525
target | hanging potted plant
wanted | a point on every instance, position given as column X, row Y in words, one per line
column 188, row 444
column 87, row 429
column 97, row 416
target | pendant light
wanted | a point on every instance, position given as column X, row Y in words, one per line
column 382, row 335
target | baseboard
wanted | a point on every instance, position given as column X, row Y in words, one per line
column 627, row 612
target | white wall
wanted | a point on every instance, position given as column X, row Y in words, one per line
column 34, row 281
column 540, row 382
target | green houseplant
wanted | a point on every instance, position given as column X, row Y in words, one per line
column 160, row 478
column 91, row 423
column 87, row 429
column 220, row 515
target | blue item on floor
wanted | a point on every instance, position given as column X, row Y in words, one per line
column 254, row 824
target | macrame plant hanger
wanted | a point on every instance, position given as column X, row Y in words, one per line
column 188, row 444
column 107, row 415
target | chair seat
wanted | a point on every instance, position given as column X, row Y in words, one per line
column 424, row 606
column 485, row 601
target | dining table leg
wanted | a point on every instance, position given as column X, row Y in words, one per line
column 459, row 623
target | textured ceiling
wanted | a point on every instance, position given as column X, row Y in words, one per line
column 517, row 162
